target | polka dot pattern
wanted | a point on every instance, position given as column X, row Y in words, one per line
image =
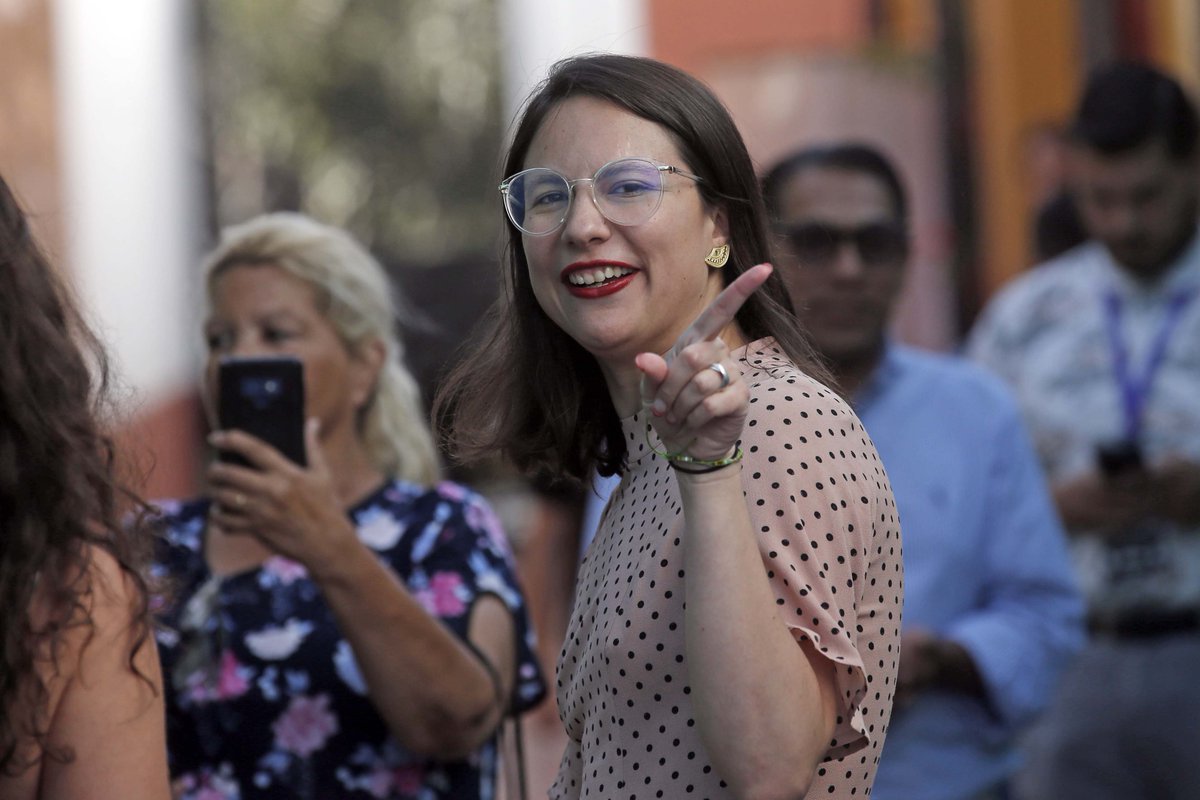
column 822, row 506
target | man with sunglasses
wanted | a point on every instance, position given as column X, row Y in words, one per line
column 1102, row 346
column 991, row 612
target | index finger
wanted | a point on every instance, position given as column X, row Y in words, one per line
column 721, row 311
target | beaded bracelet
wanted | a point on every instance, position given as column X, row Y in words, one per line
column 676, row 459
column 708, row 466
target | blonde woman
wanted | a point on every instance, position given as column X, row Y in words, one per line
column 351, row 628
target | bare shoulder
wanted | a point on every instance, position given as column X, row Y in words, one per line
column 113, row 645
column 109, row 721
column 117, row 602
column 110, row 717
column 101, row 714
column 98, row 605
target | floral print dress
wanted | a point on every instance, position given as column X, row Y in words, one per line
column 264, row 696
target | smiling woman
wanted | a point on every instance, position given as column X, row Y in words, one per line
column 642, row 335
column 656, row 249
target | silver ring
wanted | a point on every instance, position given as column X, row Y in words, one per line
column 239, row 500
column 719, row 368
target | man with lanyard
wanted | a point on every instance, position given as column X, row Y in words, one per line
column 1102, row 345
column 992, row 615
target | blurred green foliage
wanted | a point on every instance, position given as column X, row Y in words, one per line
column 380, row 116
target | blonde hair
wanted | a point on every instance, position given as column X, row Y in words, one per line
column 355, row 295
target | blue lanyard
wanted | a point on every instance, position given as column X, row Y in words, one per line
column 1135, row 389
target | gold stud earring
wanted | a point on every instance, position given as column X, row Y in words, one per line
column 717, row 257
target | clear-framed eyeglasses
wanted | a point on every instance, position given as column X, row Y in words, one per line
column 627, row 192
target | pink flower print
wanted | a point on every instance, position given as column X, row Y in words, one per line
column 409, row 780
column 210, row 793
column 233, row 679
column 481, row 517
column 208, row 785
column 305, row 726
column 451, row 491
column 286, row 570
column 443, row 596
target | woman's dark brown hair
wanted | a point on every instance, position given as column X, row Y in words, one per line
column 59, row 499
column 528, row 391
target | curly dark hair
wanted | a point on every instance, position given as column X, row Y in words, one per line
column 524, row 388
column 60, row 498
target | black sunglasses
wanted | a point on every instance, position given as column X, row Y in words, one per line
column 879, row 244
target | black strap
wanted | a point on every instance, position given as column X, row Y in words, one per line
column 516, row 721
column 505, row 718
column 493, row 674
column 519, row 754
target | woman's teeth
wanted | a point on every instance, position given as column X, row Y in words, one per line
column 588, row 277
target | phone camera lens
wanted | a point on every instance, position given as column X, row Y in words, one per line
column 260, row 392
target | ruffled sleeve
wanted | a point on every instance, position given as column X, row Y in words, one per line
column 830, row 540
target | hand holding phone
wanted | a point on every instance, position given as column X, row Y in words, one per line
column 263, row 396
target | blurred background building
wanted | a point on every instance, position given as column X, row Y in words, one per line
column 134, row 129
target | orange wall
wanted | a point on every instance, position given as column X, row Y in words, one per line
column 1174, row 38
column 797, row 73
column 1028, row 66
column 1025, row 57
column 689, row 33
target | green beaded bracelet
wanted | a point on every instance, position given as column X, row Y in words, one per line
column 713, row 466
column 717, row 463
column 675, row 459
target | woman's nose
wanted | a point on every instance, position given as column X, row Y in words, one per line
column 584, row 222
column 246, row 345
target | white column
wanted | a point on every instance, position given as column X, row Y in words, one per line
column 132, row 193
column 536, row 33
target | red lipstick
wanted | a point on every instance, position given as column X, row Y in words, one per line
column 594, row 290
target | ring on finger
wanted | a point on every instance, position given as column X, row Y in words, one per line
column 719, row 368
column 239, row 501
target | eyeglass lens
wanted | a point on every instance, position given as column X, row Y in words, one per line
column 877, row 243
column 627, row 192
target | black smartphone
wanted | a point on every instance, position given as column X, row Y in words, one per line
column 1115, row 458
column 263, row 396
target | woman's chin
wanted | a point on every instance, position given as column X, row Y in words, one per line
column 608, row 345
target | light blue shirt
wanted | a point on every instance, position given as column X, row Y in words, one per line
column 985, row 563
column 595, row 502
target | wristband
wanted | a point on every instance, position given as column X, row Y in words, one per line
column 678, row 465
column 704, row 465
